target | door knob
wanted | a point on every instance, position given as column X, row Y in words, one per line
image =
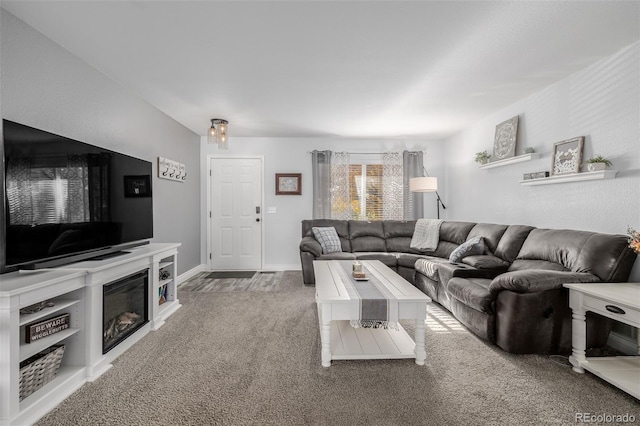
column 257, row 219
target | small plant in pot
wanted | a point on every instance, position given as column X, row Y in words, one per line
column 482, row 157
column 598, row 163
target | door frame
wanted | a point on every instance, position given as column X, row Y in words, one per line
column 209, row 207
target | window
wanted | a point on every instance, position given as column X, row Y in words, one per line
column 367, row 187
column 365, row 191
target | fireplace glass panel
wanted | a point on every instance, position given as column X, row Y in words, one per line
column 125, row 308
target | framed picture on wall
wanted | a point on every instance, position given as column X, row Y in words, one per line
column 567, row 156
column 137, row 186
column 288, row 183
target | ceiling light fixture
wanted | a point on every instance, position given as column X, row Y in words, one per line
column 217, row 133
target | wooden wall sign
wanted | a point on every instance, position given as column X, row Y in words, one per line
column 46, row 328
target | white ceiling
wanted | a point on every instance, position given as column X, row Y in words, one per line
column 358, row 69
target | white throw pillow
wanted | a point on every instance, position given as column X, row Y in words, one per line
column 328, row 239
column 470, row 247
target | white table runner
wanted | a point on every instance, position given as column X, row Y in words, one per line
column 377, row 307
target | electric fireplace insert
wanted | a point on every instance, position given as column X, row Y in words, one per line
column 125, row 308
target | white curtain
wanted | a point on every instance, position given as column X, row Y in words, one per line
column 340, row 195
column 392, row 186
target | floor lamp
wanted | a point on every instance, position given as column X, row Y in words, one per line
column 427, row 184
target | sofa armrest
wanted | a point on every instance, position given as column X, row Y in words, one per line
column 487, row 261
column 447, row 271
column 311, row 245
column 532, row 281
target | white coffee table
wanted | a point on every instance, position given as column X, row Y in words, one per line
column 335, row 310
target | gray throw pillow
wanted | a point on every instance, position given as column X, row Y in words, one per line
column 470, row 247
column 328, row 239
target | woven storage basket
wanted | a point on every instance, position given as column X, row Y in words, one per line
column 39, row 370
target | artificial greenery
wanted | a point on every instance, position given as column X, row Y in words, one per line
column 599, row 159
column 482, row 156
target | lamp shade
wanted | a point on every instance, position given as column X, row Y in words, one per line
column 423, row 184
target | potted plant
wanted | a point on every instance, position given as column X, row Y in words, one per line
column 634, row 239
column 597, row 163
column 482, row 157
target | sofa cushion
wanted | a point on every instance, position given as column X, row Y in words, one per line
column 561, row 246
column 455, row 232
column 388, row 259
column 452, row 234
column 366, row 236
column 511, row 242
column 473, row 246
column 472, row 292
column 328, row 239
column 605, row 256
column 339, row 255
column 363, row 228
column 525, row 264
column 397, row 235
column 490, row 233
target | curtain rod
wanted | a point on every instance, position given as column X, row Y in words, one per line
column 372, row 153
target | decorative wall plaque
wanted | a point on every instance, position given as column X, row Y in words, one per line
column 172, row 170
column 567, row 156
column 504, row 144
column 46, row 328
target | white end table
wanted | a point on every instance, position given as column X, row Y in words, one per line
column 620, row 302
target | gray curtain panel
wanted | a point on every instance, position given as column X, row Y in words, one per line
column 321, row 174
column 412, row 167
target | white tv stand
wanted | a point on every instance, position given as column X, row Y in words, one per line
column 75, row 289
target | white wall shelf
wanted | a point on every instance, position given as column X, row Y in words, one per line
column 575, row 177
column 29, row 349
column 512, row 160
column 59, row 304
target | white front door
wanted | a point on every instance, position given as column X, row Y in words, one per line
column 236, row 213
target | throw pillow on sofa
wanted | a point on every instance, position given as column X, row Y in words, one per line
column 328, row 239
column 470, row 247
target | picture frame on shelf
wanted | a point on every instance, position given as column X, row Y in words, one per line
column 567, row 156
column 288, row 183
column 504, row 143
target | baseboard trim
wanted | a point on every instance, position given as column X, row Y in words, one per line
column 191, row 273
column 623, row 343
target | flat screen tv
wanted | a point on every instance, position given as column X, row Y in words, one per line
column 66, row 200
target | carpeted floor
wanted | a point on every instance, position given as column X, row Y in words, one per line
column 253, row 357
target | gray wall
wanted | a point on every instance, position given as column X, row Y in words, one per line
column 291, row 155
column 46, row 87
column 602, row 103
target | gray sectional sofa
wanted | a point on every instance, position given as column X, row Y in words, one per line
column 511, row 294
